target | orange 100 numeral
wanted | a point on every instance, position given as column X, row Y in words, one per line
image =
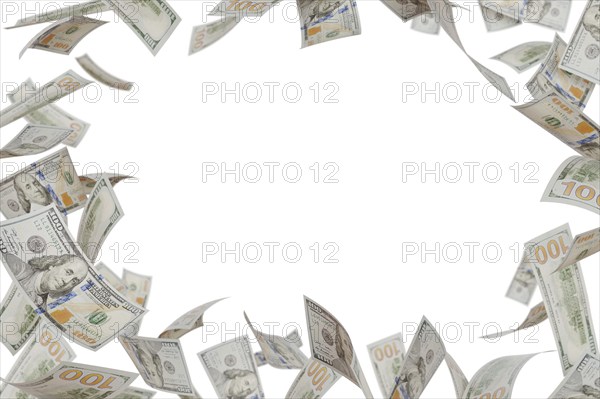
column 582, row 192
column 553, row 249
column 498, row 394
column 388, row 351
column 320, row 373
column 90, row 380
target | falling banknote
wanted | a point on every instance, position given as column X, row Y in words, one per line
column 42, row 258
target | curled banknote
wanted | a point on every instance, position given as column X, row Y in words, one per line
column 43, row 353
column 584, row 245
column 313, row 381
column 549, row 78
column 523, row 284
column 73, row 380
column 496, row 379
column 41, row 256
column 102, row 212
column 583, row 381
column 322, row 21
column 161, row 363
column 576, row 182
column 206, row 34
column 459, row 380
column 138, row 287
column 52, row 179
column 582, row 56
column 52, row 91
column 90, row 181
column 34, row 139
column 330, row 343
column 86, row 62
column 426, row 23
column 293, row 337
column 424, row 356
column 62, row 36
column 109, row 276
column 551, row 13
column 152, row 21
column 187, row 322
column 407, row 9
column 50, row 115
column 231, row 369
column 524, row 56
column 565, row 297
column 387, row 356
column 565, row 122
column 18, row 319
column 278, row 351
column 536, row 315
column 51, row 14
column 495, row 20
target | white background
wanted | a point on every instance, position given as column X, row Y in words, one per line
column 370, row 133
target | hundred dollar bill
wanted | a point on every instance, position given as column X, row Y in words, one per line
column 447, row 23
column 34, row 139
column 242, row 8
column 102, row 212
column 86, row 8
column 424, row 356
column 426, row 23
column 583, row 51
column 495, row 20
column 496, row 378
column 584, row 245
column 523, row 284
column 322, row 21
column 582, row 381
column 407, row 10
column 513, row 9
column 52, row 179
column 40, row 356
column 188, row 321
column 18, row 319
column 313, row 381
column 62, row 36
column 459, row 380
column 90, row 181
column 50, row 115
column 52, row 91
column 293, row 338
column 278, row 351
column 231, row 369
column 153, row 21
column 576, row 182
column 565, row 122
column 565, row 297
column 138, row 287
column 135, row 393
column 160, row 362
column 73, row 380
column 86, row 62
column 536, row 315
column 41, row 256
column 111, row 278
column 524, row 56
column 206, row 34
column 330, row 343
column 387, row 356
column 549, row 78
column 551, row 13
